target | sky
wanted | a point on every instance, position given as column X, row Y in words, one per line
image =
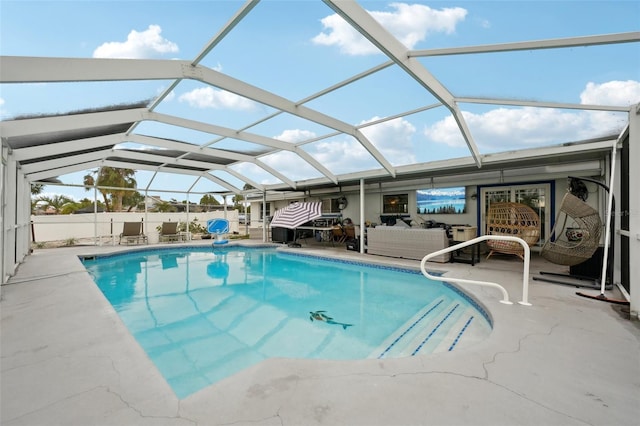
column 297, row 48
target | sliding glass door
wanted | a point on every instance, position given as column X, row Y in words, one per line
column 537, row 196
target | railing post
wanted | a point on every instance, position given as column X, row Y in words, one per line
column 505, row 294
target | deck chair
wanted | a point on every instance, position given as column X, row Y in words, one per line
column 350, row 232
column 169, row 232
column 514, row 220
column 132, row 232
column 219, row 228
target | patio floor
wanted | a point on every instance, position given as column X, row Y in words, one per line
column 67, row 359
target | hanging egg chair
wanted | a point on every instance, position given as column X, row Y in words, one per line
column 576, row 234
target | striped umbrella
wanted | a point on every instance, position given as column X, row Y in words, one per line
column 295, row 214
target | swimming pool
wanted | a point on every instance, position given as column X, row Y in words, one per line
column 203, row 314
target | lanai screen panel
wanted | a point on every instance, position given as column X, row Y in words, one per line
column 266, row 83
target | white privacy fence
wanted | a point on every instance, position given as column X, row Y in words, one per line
column 82, row 226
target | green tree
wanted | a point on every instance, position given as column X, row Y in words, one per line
column 57, row 202
column 84, row 204
column 37, row 188
column 133, row 199
column 208, row 200
column 239, row 199
column 166, row 207
column 113, row 178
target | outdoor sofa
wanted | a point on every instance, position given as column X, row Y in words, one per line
column 407, row 243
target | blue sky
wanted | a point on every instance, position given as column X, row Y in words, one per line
column 297, row 48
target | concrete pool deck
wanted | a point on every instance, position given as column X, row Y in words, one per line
column 67, row 359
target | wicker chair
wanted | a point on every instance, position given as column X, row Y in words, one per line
column 576, row 234
column 514, row 220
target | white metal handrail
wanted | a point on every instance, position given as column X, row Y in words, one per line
column 505, row 294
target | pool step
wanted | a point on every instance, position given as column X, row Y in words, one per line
column 394, row 345
column 470, row 329
column 441, row 326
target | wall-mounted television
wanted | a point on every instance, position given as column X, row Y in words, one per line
column 441, row 200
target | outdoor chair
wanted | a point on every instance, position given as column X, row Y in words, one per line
column 338, row 234
column 576, row 234
column 169, row 232
column 350, row 232
column 514, row 220
column 132, row 232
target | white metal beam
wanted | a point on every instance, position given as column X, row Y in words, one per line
column 168, row 144
column 235, row 20
column 39, row 151
column 15, row 69
column 61, row 123
column 245, row 136
column 241, row 88
column 72, row 168
column 63, row 161
column 629, row 37
column 366, row 25
column 540, row 104
column 219, row 130
column 31, row 69
column 227, row 185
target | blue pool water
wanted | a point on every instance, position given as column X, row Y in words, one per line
column 203, row 314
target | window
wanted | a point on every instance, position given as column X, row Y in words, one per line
column 395, row 203
column 331, row 205
column 265, row 213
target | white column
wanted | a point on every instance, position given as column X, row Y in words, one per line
column 363, row 229
column 3, row 178
column 634, row 210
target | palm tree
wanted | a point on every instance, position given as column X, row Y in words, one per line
column 57, row 202
column 114, row 178
column 36, row 188
column 208, row 200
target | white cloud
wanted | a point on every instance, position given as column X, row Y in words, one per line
column 409, row 23
column 611, row 93
column 513, row 128
column 139, row 45
column 208, row 97
column 255, row 173
column 341, row 155
column 295, row 135
column 345, row 154
column 393, row 139
column 290, row 165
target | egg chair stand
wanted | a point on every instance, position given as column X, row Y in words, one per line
column 574, row 245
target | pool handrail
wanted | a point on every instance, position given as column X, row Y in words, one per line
column 505, row 294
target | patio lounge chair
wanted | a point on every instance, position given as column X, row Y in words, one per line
column 169, row 232
column 132, row 232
